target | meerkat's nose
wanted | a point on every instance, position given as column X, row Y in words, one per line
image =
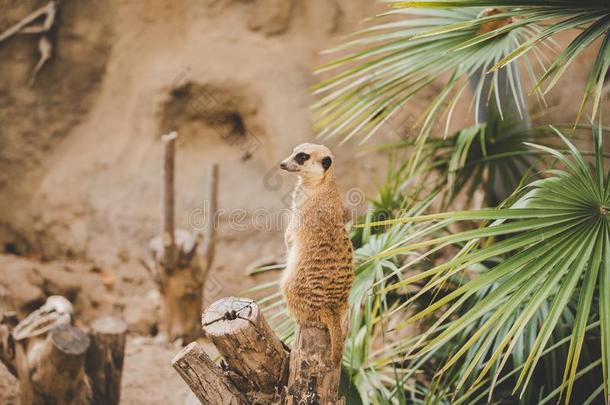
column 283, row 165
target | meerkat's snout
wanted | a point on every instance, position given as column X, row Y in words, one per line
column 288, row 166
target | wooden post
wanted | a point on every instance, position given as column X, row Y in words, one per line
column 53, row 372
column 167, row 210
column 312, row 380
column 208, row 382
column 105, row 359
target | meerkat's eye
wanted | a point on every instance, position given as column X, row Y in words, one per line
column 326, row 162
column 301, row 158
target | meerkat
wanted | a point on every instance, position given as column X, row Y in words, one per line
column 319, row 274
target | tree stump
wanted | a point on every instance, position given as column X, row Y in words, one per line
column 247, row 343
column 180, row 260
column 255, row 361
column 55, row 369
column 311, row 380
column 57, row 363
column 105, row 359
column 208, row 382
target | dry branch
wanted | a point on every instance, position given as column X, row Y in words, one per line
column 48, row 11
column 209, row 237
column 167, row 210
column 207, row 381
column 45, row 46
column 105, row 359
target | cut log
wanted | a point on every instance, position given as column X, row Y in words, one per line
column 55, row 369
column 248, row 345
column 105, row 359
column 207, row 381
column 312, row 380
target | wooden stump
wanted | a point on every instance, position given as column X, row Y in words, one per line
column 105, row 359
column 180, row 260
column 57, row 363
column 247, row 343
column 208, row 382
column 312, row 380
column 56, row 369
column 255, row 361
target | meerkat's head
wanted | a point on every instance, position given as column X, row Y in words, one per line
column 313, row 163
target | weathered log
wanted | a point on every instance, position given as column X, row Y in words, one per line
column 209, row 383
column 312, row 379
column 52, row 371
column 104, row 363
column 248, row 345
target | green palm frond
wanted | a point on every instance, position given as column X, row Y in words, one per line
column 419, row 42
column 555, row 241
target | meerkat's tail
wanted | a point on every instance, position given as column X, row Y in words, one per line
column 333, row 323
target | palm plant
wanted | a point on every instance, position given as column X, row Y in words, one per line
column 499, row 299
column 556, row 245
column 388, row 64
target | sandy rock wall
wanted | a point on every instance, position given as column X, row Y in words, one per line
column 80, row 153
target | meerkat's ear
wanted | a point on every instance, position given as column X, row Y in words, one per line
column 326, row 162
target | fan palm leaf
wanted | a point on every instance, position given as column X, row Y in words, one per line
column 556, row 240
column 419, row 42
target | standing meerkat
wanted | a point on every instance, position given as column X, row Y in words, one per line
column 319, row 274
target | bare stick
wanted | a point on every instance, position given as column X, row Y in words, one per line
column 105, row 359
column 207, row 381
column 248, row 345
column 48, row 11
column 45, row 47
column 312, row 379
column 210, row 231
column 167, row 231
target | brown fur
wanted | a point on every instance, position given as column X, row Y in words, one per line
column 319, row 273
